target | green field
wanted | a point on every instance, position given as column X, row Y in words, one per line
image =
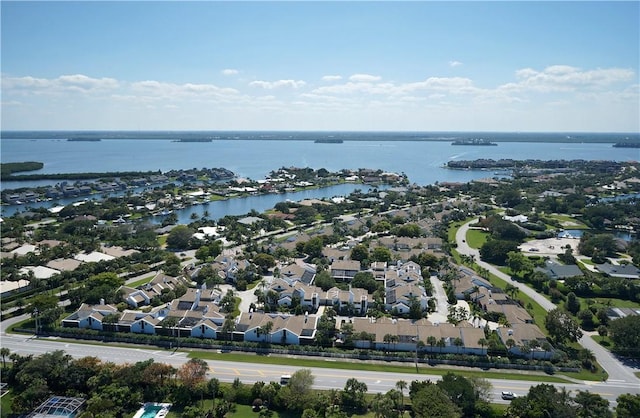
column 476, row 238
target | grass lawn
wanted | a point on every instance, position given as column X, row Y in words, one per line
column 586, row 261
column 162, row 240
column 603, row 341
column 476, row 238
column 614, row 302
column 5, row 404
column 140, row 282
column 570, row 221
column 356, row 365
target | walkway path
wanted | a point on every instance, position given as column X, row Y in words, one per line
column 617, row 370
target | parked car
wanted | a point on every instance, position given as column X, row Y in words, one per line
column 508, row 395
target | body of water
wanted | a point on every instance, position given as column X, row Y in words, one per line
column 422, row 161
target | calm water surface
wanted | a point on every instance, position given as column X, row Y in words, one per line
column 421, row 161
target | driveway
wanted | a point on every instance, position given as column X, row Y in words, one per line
column 618, row 371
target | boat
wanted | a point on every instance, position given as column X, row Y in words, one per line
column 474, row 141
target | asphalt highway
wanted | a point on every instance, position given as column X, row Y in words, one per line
column 249, row 373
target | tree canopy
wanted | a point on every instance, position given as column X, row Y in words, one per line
column 562, row 327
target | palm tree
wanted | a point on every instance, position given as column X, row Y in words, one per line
column 387, row 339
column 268, row 327
column 441, row 344
column 476, row 290
column 546, row 347
column 228, row 327
column 533, row 344
column 510, row 343
column 431, row 340
column 401, row 385
column 458, row 343
column 482, row 342
column 4, row 352
column 511, row 290
column 394, row 340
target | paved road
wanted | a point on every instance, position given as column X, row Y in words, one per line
column 618, row 372
column 249, row 373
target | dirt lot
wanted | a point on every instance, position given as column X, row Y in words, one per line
column 549, row 246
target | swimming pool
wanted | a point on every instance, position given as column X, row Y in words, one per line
column 153, row 410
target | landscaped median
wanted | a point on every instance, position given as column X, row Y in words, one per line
column 375, row 366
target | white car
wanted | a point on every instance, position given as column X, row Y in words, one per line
column 508, row 395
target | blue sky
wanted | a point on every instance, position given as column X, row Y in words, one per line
column 408, row 66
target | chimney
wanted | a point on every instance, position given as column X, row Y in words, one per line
column 101, row 301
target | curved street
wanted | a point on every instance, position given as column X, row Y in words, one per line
column 618, row 371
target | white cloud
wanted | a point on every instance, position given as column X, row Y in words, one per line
column 610, row 95
column 364, row 78
column 269, row 85
column 454, row 64
column 229, row 71
column 68, row 83
column 564, row 78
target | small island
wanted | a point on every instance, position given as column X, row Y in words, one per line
column 84, row 139
column 474, row 141
column 7, row 169
column 626, row 145
column 328, row 141
column 193, row 140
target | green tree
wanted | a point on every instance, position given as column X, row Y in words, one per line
column 401, row 385
column 562, row 327
column 542, row 401
column 592, row 405
column 4, row 352
column 360, row 253
column 519, row 263
column 628, row 406
column 495, row 250
column 298, row 392
column 264, row 262
column 353, row 394
column 625, row 333
column 365, row 280
column 313, row 247
column 460, row 391
column 431, row 401
column 179, row 238
column 324, row 280
column 572, row 303
column 382, row 254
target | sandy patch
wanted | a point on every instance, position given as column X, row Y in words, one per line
column 549, row 246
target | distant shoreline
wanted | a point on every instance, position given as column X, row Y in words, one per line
column 337, row 136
